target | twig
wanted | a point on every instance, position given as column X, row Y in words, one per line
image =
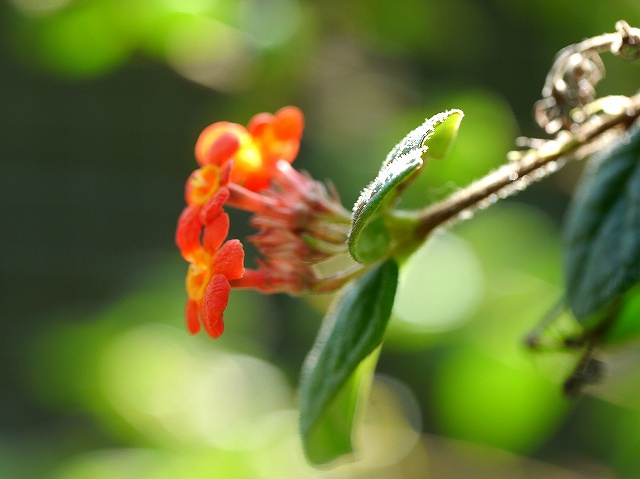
column 576, row 70
column 532, row 165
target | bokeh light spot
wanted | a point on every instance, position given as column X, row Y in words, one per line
column 440, row 285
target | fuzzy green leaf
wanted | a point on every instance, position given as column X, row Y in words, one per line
column 335, row 372
column 445, row 130
column 400, row 167
column 373, row 241
column 602, row 233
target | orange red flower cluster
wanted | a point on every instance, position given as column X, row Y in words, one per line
column 299, row 223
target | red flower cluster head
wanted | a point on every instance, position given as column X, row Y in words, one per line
column 300, row 223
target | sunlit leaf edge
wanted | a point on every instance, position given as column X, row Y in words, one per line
column 403, row 163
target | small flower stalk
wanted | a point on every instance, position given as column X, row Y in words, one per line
column 300, row 222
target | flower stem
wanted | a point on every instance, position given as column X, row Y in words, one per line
column 530, row 166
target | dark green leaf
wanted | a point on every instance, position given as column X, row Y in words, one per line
column 400, row 167
column 602, row 233
column 332, row 434
column 335, row 373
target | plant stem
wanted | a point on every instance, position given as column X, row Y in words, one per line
column 531, row 165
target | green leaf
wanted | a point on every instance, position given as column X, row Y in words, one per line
column 382, row 190
column 335, row 373
column 332, row 435
column 400, row 167
column 626, row 325
column 446, row 126
column 602, row 233
column 374, row 240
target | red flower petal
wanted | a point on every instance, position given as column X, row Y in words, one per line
column 229, row 260
column 289, row 123
column 278, row 136
column 259, row 123
column 192, row 317
column 188, row 232
column 217, row 328
column 202, row 184
column 211, row 134
column 216, row 298
column 215, row 233
column 213, row 207
column 223, row 148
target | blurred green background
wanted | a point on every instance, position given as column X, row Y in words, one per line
column 100, row 105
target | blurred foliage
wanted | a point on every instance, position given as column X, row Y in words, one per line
column 101, row 103
column 600, row 224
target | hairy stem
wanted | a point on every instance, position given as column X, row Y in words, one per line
column 530, row 166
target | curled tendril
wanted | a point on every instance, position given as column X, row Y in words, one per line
column 571, row 82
